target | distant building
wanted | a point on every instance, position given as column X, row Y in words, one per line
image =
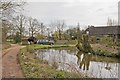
column 113, row 31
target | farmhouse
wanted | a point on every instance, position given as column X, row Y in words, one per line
column 112, row 31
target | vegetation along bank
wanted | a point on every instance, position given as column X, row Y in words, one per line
column 34, row 67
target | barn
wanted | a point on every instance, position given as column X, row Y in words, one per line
column 113, row 31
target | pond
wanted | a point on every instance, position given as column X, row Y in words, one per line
column 87, row 64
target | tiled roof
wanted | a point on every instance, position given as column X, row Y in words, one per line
column 105, row 30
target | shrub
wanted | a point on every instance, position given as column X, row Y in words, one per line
column 17, row 38
column 60, row 74
column 118, row 44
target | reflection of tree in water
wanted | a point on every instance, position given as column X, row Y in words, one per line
column 83, row 61
column 107, row 67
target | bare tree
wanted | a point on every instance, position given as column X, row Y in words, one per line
column 60, row 25
column 42, row 28
column 7, row 9
column 111, row 22
column 115, row 22
column 20, row 22
column 79, row 34
column 34, row 26
column 7, row 27
column 48, row 32
column 10, row 4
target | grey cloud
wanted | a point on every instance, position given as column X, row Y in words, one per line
column 94, row 13
column 100, row 9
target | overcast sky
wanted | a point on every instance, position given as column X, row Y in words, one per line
column 86, row 12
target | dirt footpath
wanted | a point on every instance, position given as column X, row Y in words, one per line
column 10, row 65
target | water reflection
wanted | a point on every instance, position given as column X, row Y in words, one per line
column 83, row 60
column 92, row 65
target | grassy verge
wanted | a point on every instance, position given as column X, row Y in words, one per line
column 33, row 67
column 107, row 53
column 104, row 50
column 37, row 46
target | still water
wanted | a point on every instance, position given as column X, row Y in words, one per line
column 87, row 64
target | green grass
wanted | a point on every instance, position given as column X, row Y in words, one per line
column 33, row 67
column 102, row 52
column 37, row 46
column 66, row 42
column 117, row 44
column 106, row 41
